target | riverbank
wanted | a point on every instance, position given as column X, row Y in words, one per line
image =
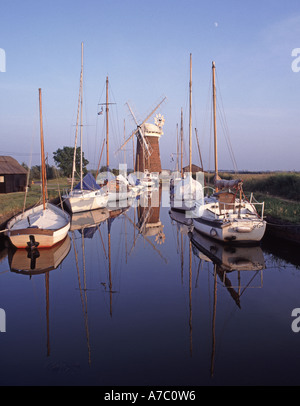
column 283, row 229
column 282, row 214
column 13, row 203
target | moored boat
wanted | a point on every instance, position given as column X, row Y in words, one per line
column 227, row 215
column 87, row 194
column 44, row 225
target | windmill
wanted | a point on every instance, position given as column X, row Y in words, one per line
column 147, row 150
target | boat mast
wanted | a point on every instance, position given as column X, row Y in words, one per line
column 181, row 143
column 107, row 141
column 196, row 132
column 190, row 118
column 81, row 92
column 42, row 151
column 177, row 149
column 215, row 119
column 78, row 110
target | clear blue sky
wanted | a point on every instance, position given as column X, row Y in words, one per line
column 144, row 46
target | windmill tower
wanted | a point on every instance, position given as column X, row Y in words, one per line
column 148, row 135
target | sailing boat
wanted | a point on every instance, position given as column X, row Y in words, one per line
column 225, row 216
column 87, row 195
column 187, row 190
column 44, row 225
column 117, row 189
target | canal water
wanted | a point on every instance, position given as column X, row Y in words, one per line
column 134, row 297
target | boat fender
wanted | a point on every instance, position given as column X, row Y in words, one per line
column 243, row 229
column 213, row 232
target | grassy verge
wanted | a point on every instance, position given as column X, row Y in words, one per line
column 12, row 203
column 280, row 208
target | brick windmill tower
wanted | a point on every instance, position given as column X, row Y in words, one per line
column 148, row 135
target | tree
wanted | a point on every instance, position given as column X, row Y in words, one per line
column 64, row 160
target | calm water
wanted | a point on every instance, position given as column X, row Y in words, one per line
column 135, row 301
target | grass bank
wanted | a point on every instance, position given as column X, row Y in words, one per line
column 13, row 203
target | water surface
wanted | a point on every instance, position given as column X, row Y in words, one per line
column 139, row 299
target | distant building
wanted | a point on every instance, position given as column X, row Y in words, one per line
column 13, row 176
column 195, row 169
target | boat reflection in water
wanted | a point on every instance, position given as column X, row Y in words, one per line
column 37, row 261
column 228, row 261
column 88, row 220
column 34, row 261
column 184, row 223
column 88, row 224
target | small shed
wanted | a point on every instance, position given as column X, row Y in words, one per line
column 195, row 169
column 13, row 176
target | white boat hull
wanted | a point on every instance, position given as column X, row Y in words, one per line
column 239, row 223
column 45, row 227
column 78, row 201
column 242, row 231
column 183, row 205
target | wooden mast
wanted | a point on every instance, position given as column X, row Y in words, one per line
column 42, row 151
column 81, row 91
column 177, row 149
column 215, row 120
column 124, row 141
column 107, row 129
column 190, row 118
column 181, row 144
column 77, row 120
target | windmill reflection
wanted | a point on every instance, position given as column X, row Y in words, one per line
column 148, row 223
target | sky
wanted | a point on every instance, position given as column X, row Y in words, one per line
column 144, row 48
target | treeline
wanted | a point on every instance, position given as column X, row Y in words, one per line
column 54, row 173
column 35, row 172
